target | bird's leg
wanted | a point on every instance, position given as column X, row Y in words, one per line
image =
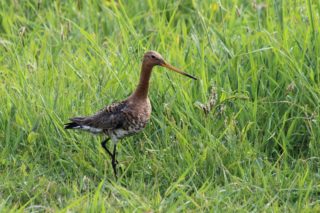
column 114, row 162
column 103, row 144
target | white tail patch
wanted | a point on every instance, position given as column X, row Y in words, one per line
column 90, row 129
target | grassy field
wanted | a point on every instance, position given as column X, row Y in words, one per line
column 244, row 137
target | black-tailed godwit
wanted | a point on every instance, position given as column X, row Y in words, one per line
column 127, row 117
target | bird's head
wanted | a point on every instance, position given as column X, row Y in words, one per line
column 153, row 58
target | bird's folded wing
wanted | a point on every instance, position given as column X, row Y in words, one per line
column 111, row 117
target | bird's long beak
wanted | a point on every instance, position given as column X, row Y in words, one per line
column 170, row 67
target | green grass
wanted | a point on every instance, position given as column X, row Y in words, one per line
column 257, row 149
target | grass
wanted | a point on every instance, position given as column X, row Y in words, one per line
column 244, row 137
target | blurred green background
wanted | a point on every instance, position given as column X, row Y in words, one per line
column 244, row 137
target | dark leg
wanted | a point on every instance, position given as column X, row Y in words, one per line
column 114, row 162
column 103, row 144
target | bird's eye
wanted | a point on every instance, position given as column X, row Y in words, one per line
column 152, row 56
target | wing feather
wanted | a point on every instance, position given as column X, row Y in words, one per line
column 111, row 117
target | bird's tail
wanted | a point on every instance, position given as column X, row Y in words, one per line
column 72, row 125
column 82, row 123
column 76, row 123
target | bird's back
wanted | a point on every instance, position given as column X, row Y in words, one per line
column 116, row 120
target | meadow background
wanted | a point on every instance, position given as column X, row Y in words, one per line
column 244, row 137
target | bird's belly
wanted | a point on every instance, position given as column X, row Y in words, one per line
column 117, row 134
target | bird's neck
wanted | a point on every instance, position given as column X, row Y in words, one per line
column 141, row 91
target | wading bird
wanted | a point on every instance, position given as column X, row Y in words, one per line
column 127, row 117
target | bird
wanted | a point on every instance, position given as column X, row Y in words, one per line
column 121, row 119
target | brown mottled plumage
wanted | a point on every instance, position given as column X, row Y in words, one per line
column 127, row 117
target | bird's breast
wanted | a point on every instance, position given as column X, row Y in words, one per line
column 140, row 110
column 136, row 118
column 139, row 117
